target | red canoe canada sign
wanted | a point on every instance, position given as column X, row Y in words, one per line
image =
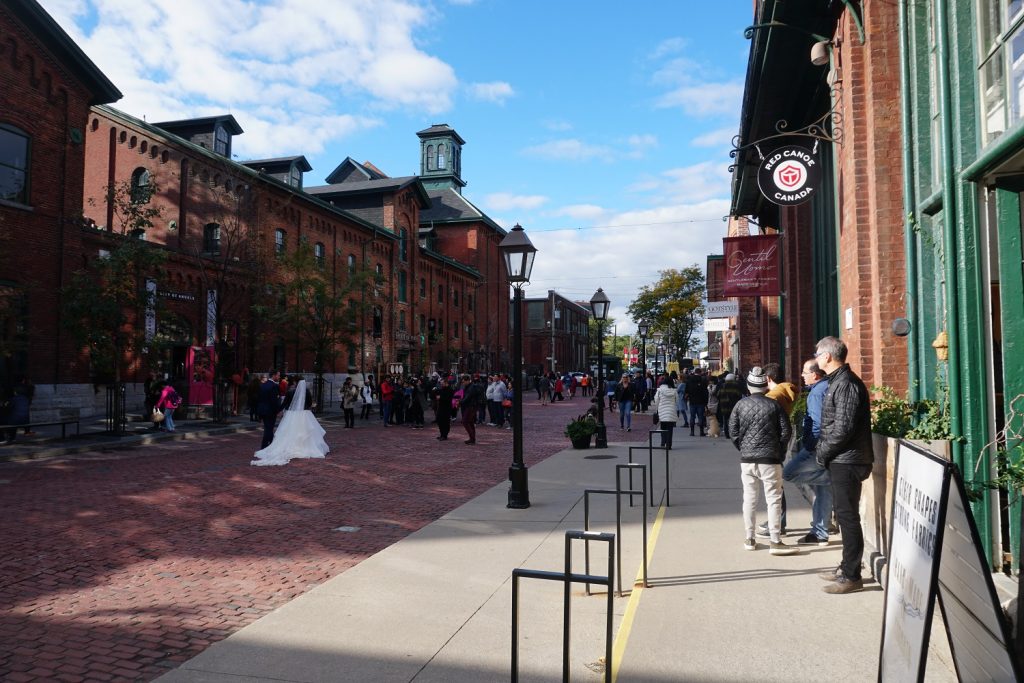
column 789, row 175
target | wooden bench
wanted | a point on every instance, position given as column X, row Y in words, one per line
column 63, row 422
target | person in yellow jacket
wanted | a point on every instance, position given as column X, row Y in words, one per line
column 784, row 393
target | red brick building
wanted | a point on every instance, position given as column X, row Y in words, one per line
column 47, row 85
column 440, row 300
column 556, row 335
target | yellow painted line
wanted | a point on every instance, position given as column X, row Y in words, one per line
column 622, row 636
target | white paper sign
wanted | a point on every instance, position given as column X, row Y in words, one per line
column 716, row 324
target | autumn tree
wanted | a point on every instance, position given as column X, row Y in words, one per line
column 107, row 301
column 673, row 306
column 320, row 311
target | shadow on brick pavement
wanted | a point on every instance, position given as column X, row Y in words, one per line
column 126, row 557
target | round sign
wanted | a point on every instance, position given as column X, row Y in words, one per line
column 789, row 175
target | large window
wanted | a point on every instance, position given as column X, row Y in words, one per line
column 14, row 177
column 320, row 254
column 403, row 245
column 1001, row 65
column 440, row 158
column 535, row 317
column 440, row 294
column 279, row 241
column 351, row 263
column 221, row 141
column 402, row 296
column 423, row 288
column 211, row 238
column 141, row 186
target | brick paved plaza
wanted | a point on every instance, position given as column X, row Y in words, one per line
column 121, row 565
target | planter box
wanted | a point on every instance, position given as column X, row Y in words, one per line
column 583, row 442
column 876, row 498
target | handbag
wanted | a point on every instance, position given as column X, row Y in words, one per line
column 157, row 416
column 655, row 418
column 507, row 403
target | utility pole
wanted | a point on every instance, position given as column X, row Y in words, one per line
column 551, row 293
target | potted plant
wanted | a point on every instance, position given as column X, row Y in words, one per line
column 580, row 430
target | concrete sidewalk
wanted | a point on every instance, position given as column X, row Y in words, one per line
column 436, row 605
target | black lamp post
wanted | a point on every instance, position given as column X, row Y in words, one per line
column 518, row 253
column 658, row 348
column 599, row 304
column 642, row 328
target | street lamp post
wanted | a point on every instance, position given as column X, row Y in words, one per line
column 599, row 304
column 657, row 353
column 643, row 327
column 518, row 252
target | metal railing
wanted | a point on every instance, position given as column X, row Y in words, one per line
column 116, row 411
column 618, row 492
column 568, row 578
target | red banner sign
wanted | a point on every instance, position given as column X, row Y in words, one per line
column 751, row 266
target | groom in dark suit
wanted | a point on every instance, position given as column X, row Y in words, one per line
column 269, row 405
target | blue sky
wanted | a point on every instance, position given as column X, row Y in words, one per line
column 603, row 130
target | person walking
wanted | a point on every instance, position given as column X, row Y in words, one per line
column 387, row 396
column 697, row 398
column 760, row 431
column 472, row 395
column 625, row 394
column 844, row 448
column 365, row 400
column 269, row 405
column 544, row 389
column 349, row 398
column 168, row 402
column 664, row 405
column 444, row 394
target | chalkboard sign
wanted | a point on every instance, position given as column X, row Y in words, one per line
column 935, row 551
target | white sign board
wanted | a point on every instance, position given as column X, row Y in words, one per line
column 716, row 324
column 721, row 309
column 934, row 549
column 912, row 563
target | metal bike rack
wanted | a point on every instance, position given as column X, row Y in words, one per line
column 568, row 578
column 650, row 461
column 618, row 492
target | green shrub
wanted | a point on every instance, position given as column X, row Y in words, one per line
column 581, row 427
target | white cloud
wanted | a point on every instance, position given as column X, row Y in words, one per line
column 704, row 99
column 698, row 182
column 504, row 201
column 640, row 144
column 558, row 126
column 277, row 66
column 667, row 47
column 495, row 91
column 670, row 236
column 719, row 137
column 568, row 150
column 587, row 212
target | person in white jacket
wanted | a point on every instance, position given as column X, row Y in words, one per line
column 664, row 404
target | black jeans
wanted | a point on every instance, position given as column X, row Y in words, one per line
column 268, row 429
column 666, row 433
column 444, row 423
column 350, row 417
column 846, row 486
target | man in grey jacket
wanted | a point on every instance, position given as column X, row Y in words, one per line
column 760, row 431
column 844, row 449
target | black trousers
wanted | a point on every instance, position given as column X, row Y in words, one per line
column 268, row 429
column 847, row 482
column 666, row 434
column 444, row 424
column 350, row 417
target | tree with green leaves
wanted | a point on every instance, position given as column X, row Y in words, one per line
column 319, row 311
column 107, row 302
column 673, row 306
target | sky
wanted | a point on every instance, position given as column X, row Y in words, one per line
column 603, row 129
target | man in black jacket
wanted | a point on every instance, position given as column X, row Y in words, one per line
column 844, row 449
column 760, row 431
column 472, row 398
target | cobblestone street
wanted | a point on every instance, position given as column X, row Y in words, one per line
column 121, row 565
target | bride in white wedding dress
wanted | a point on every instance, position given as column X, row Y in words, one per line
column 298, row 436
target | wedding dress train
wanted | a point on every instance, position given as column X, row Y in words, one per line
column 299, row 435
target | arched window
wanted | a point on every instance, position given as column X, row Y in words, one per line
column 423, row 288
column 440, row 294
column 351, row 263
column 14, row 174
column 430, row 157
column 440, row 158
column 296, row 177
column 141, row 186
column 378, row 321
column 211, row 238
column 402, row 296
column 319, row 253
column 403, row 245
column 455, row 297
column 279, row 241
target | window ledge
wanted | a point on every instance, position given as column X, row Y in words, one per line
column 16, row 205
